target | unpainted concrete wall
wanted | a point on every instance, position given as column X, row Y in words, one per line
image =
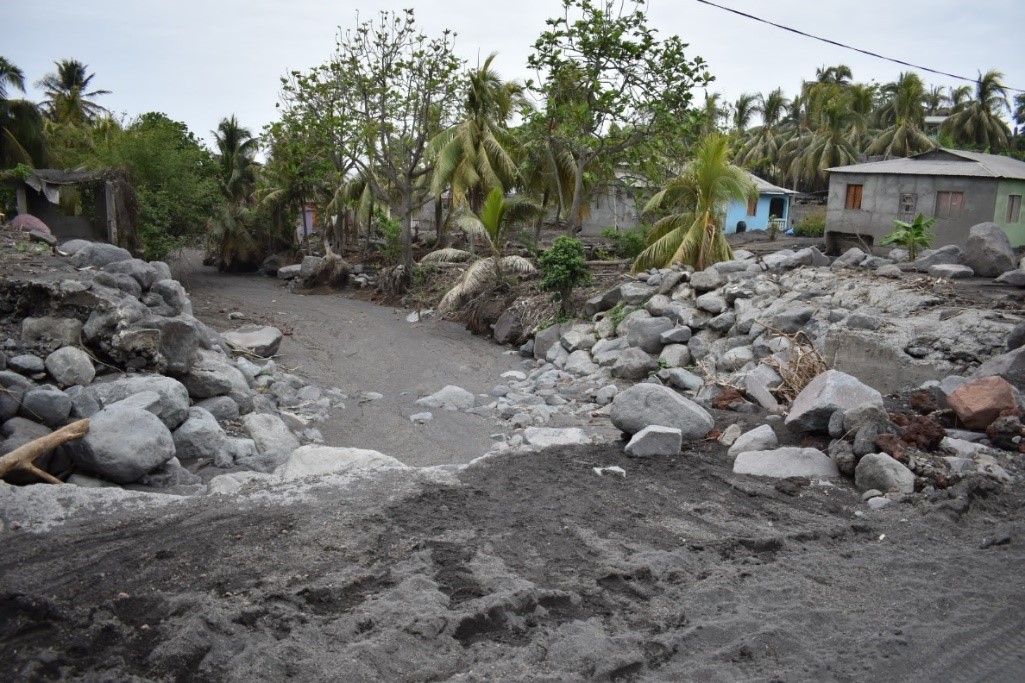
column 880, row 204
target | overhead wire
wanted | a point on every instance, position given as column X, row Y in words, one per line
column 845, row 46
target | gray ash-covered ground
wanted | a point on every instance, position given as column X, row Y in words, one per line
column 529, row 567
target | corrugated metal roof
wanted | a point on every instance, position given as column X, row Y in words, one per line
column 765, row 187
column 944, row 162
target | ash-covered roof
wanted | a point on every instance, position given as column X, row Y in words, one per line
column 944, row 162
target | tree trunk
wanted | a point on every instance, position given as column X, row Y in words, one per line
column 407, row 236
column 578, row 195
column 439, row 226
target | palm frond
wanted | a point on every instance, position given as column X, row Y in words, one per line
column 448, row 255
column 517, row 264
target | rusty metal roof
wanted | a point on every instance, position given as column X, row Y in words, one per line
column 944, row 162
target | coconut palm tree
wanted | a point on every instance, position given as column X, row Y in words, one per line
column 958, row 98
column 693, row 235
column 828, row 144
column 835, row 75
column 760, row 150
column 232, row 240
column 473, row 156
column 492, row 227
column 935, row 100
column 22, row 138
column 979, row 124
column 744, row 109
column 903, row 113
column 68, row 98
column 237, row 149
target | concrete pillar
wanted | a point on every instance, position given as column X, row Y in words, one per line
column 108, row 196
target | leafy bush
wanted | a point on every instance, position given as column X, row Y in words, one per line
column 627, row 244
column 911, row 235
column 391, row 231
column 563, row 267
column 812, row 225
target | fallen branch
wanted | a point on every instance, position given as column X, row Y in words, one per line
column 23, row 457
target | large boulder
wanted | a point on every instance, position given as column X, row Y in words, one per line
column 174, row 397
column 140, row 271
column 259, row 340
column 311, row 461
column 653, row 441
column 988, row 251
column 70, row 366
column 881, row 472
column 123, row 444
column 644, row 405
column 831, row 391
column 119, row 281
column 646, row 333
column 60, row 331
column 1010, row 366
column 215, row 375
column 508, row 328
column 949, row 254
column 270, row 433
column 979, row 402
column 761, row 438
column 26, row 222
column 786, row 462
column 99, row 254
column 47, row 405
column 545, row 339
column 201, row 437
column 634, row 364
column 174, row 295
column 448, row 398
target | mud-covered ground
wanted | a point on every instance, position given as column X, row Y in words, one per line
column 528, row 567
column 523, row 567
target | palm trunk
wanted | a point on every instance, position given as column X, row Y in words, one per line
column 578, row 195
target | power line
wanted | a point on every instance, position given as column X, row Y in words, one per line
column 845, row 46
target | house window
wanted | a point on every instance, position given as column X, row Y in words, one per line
column 854, row 196
column 949, row 204
column 1013, row 207
column 752, row 206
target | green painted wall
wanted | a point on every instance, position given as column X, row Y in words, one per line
column 1015, row 231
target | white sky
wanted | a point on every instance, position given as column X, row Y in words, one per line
column 201, row 61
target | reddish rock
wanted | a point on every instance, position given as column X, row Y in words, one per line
column 27, row 223
column 891, row 445
column 980, row 402
column 1004, row 430
column 923, row 432
column 923, row 402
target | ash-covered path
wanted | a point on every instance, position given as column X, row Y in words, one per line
column 359, row 347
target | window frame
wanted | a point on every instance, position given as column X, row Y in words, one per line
column 854, row 196
column 752, row 206
column 1013, row 208
column 947, row 213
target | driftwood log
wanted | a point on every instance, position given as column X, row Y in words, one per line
column 23, row 457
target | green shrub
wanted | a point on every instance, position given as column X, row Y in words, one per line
column 391, row 231
column 812, row 225
column 563, row 267
column 627, row 244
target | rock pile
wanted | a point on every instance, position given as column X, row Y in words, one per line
column 169, row 407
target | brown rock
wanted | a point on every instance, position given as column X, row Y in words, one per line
column 980, row 402
column 923, row 402
column 1003, row 430
column 891, row 445
column 923, row 432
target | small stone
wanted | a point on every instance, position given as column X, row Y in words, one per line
column 653, row 441
column 761, row 438
column 421, row 418
column 730, row 435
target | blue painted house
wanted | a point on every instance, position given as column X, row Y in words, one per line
column 773, row 203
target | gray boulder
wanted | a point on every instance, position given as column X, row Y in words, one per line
column 655, row 440
column 1010, row 366
column 140, row 271
column 174, row 397
column 311, row 461
column 449, row 398
column 792, row 320
column 646, row 333
column 890, row 271
column 289, row 272
column 70, row 366
column 675, row 356
column 950, row 271
column 174, row 295
column 545, row 339
column 214, row 375
column 677, row 335
column 831, row 391
column 123, row 444
column 47, row 405
column 578, row 338
column 949, row 254
column 644, row 405
column 786, row 462
column 62, row 331
column 850, row 258
column 988, row 251
column 270, row 433
column 98, row 254
column 880, row 471
column 580, row 363
column 223, row 408
column 634, row 293
column 706, row 280
column 308, row 267
column 508, row 328
column 682, row 379
column 259, row 340
column 711, row 302
column 119, row 281
column 161, row 270
column 26, row 364
column 633, row 364
column 1013, row 278
column 179, row 339
column 761, row 438
column 201, row 437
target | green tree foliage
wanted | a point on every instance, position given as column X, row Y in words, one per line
column 174, row 175
column 611, row 89
column 232, row 230
column 911, row 235
column 978, row 124
column 68, row 99
column 22, row 135
column 564, row 266
column 903, row 114
column 693, row 233
column 400, row 86
column 492, row 227
column 476, row 155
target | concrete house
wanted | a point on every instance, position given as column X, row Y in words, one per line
column 772, row 205
column 960, row 189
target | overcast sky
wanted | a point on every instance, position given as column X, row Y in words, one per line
column 201, row 61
